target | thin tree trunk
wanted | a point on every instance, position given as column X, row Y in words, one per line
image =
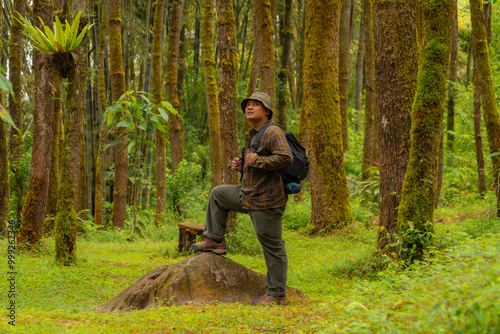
column 160, row 140
column 176, row 128
column 118, row 89
column 228, row 93
column 416, row 208
column 478, row 139
column 344, row 52
column 369, row 142
column 214, row 125
column 440, row 166
column 286, row 36
column 329, row 193
column 487, row 88
column 57, row 141
column 103, row 132
column 360, row 61
column 396, row 63
column 452, row 79
column 264, row 53
column 32, row 226
column 15, row 102
column 300, row 75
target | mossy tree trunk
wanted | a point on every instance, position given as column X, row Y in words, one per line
column 452, row 79
column 160, row 140
column 286, row 36
column 416, row 208
column 329, row 193
column 358, row 90
column 228, row 81
column 55, row 166
column 4, row 166
column 16, row 41
column 118, row 89
column 264, row 53
column 214, row 126
column 369, row 139
column 32, row 225
column 486, row 87
column 176, row 128
column 396, row 63
column 344, row 53
column 65, row 223
column 478, row 140
column 103, row 132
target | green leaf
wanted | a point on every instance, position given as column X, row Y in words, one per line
column 492, row 155
column 111, row 116
column 125, row 124
column 170, row 108
column 5, row 116
column 163, row 114
column 158, row 126
column 113, row 143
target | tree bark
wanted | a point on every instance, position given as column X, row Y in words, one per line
column 176, row 128
column 396, row 63
column 452, row 79
column 264, row 53
column 160, row 139
column 214, row 126
column 228, row 81
column 344, row 53
column 32, row 225
column 487, row 87
column 478, row 139
column 360, row 61
column 369, row 142
column 286, row 36
column 329, row 193
column 416, row 208
column 103, row 132
column 118, row 89
column 16, row 42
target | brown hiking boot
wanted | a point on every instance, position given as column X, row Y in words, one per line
column 209, row 245
column 268, row 299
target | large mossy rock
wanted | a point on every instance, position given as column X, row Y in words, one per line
column 202, row 278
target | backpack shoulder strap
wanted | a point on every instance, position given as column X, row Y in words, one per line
column 253, row 143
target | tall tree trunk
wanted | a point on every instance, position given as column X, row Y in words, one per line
column 286, row 36
column 118, row 89
column 344, row 52
column 301, row 52
column 228, row 81
column 31, row 230
column 15, row 102
column 329, row 193
column 369, row 142
column 4, row 163
column 208, row 22
column 416, row 208
column 360, row 61
column 160, row 140
column 57, row 141
column 396, row 63
column 103, row 132
column 478, row 139
column 176, row 128
column 452, row 79
column 487, row 87
column 264, row 53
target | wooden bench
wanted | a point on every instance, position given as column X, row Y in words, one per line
column 187, row 234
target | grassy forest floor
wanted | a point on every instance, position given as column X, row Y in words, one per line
column 456, row 290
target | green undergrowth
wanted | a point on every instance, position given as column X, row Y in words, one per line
column 349, row 289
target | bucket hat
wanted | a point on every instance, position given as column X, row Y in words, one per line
column 262, row 98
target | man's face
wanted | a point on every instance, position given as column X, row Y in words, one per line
column 256, row 112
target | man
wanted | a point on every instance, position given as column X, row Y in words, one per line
column 261, row 195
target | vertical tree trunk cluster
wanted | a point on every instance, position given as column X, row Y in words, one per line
column 416, row 208
column 329, row 193
column 486, row 88
column 396, row 63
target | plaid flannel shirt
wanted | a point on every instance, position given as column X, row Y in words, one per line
column 262, row 185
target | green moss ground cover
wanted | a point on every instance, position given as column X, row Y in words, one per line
column 455, row 291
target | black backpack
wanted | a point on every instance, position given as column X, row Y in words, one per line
column 297, row 171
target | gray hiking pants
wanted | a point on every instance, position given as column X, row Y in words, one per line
column 267, row 225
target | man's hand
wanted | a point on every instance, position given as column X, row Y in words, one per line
column 249, row 158
column 236, row 164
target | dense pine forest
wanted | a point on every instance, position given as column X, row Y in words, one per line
column 118, row 117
